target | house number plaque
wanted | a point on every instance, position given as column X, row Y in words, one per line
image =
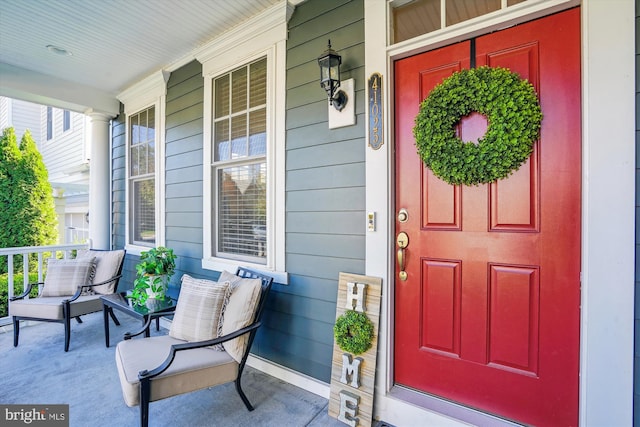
column 375, row 111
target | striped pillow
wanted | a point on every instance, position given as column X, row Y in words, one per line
column 64, row 276
column 200, row 305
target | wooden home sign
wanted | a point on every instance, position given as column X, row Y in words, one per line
column 353, row 376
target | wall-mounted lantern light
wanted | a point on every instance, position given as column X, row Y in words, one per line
column 329, row 63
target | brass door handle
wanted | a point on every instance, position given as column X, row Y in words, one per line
column 403, row 241
column 401, row 259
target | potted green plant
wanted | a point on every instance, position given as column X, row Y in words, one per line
column 153, row 272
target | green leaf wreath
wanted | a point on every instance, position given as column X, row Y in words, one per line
column 353, row 332
column 514, row 117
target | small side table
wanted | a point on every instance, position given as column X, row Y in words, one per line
column 146, row 312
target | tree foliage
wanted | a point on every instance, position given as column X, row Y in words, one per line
column 27, row 212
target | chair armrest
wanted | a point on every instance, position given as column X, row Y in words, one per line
column 149, row 374
column 82, row 288
column 26, row 292
column 103, row 283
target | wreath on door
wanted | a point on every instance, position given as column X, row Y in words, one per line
column 511, row 107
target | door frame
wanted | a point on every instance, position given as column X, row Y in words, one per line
column 607, row 312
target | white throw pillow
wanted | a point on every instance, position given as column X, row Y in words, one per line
column 240, row 311
column 64, row 276
column 107, row 264
column 200, row 305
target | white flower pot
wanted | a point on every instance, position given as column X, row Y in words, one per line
column 157, row 285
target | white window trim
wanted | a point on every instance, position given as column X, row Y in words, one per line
column 263, row 35
column 150, row 92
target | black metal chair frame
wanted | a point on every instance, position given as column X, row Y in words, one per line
column 147, row 376
column 66, row 307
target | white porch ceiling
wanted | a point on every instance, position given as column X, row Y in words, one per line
column 113, row 44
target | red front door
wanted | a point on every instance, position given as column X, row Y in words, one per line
column 489, row 313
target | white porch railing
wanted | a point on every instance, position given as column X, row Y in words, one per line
column 44, row 252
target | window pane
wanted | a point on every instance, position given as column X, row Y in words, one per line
column 415, row 18
column 221, row 87
column 142, row 165
column 151, row 125
column 239, row 90
column 135, row 161
column 66, row 120
column 135, row 129
column 151, row 157
column 241, row 211
column 258, row 132
column 258, row 83
column 49, row 123
column 239, row 229
column 462, row 10
column 239, row 137
column 221, row 140
column 143, row 222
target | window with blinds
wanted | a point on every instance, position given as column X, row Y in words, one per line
column 239, row 166
column 142, row 223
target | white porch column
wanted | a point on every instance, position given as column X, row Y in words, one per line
column 99, row 188
column 60, row 202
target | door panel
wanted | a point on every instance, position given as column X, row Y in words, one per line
column 489, row 313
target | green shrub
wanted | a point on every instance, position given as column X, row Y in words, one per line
column 28, row 215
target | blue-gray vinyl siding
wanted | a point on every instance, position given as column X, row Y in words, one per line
column 636, row 388
column 183, row 169
column 325, row 187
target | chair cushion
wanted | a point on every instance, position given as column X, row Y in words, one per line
column 107, row 266
column 240, row 311
column 51, row 307
column 200, row 304
column 191, row 370
column 64, row 276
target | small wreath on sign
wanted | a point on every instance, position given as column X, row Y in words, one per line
column 514, row 117
column 353, row 332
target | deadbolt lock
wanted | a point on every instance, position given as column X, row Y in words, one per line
column 403, row 215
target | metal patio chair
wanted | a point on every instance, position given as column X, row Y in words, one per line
column 159, row 367
column 71, row 288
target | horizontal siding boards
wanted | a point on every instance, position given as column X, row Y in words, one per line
column 188, row 144
column 183, row 170
column 268, row 345
column 333, row 223
column 325, row 177
column 636, row 370
column 325, row 245
column 322, row 267
column 328, row 154
column 118, row 194
column 312, row 135
column 327, row 200
column 331, row 177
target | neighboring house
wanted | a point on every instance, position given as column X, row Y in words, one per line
column 62, row 140
column 512, row 301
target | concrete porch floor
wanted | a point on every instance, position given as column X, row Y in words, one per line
column 38, row 371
